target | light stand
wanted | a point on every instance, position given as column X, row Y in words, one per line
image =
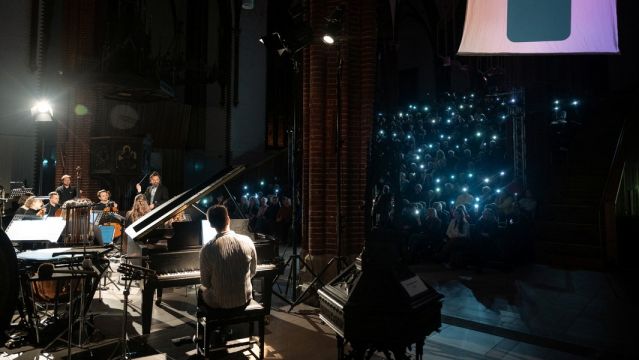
column 295, row 260
column 339, row 260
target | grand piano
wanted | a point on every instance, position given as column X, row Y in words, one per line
column 176, row 258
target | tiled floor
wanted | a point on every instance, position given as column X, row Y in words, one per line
column 532, row 313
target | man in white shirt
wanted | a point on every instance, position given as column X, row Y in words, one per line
column 227, row 264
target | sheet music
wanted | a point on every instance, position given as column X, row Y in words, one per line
column 49, row 229
column 414, row 286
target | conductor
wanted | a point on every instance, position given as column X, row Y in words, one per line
column 156, row 193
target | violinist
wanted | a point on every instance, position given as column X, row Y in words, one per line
column 32, row 206
column 104, row 202
column 53, row 207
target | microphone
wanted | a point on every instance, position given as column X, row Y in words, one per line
column 45, row 271
column 87, row 264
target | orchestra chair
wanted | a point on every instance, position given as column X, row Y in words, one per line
column 209, row 319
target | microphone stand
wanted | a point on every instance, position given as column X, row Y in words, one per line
column 131, row 273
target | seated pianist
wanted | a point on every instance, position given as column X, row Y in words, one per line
column 227, row 264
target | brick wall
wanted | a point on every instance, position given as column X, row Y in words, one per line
column 73, row 142
column 73, row 147
column 358, row 49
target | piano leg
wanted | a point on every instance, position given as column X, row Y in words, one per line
column 340, row 347
column 267, row 291
column 147, row 307
column 158, row 301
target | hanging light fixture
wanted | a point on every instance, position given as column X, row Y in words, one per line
column 274, row 42
column 333, row 26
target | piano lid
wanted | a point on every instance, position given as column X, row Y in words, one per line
column 167, row 210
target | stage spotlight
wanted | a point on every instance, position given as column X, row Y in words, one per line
column 333, row 26
column 42, row 111
column 273, row 42
column 328, row 39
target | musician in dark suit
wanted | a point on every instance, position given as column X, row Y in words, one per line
column 53, row 205
column 156, row 193
column 65, row 190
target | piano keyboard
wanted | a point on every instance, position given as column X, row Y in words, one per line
column 179, row 275
column 196, row 273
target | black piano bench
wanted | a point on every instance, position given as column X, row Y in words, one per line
column 210, row 319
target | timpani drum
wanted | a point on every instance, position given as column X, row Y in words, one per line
column 47, row 291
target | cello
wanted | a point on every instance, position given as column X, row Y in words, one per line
column 112, row 208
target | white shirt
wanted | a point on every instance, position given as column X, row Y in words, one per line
column 153, row 190
column 227, row 264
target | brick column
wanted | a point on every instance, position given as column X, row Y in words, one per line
column 73, row 146
column 319, row 185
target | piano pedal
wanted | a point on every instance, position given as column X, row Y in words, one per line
column 184, row 340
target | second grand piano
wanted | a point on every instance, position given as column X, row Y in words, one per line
column 176, row 260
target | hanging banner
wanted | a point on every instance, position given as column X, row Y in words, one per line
column 505, row 27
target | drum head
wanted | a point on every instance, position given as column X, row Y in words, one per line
column 8, row 281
